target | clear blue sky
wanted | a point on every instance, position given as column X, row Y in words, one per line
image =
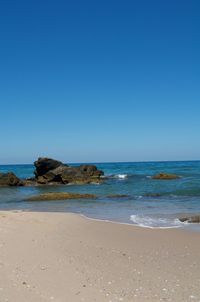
column 87, row 81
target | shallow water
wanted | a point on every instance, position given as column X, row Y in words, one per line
column 175, row 197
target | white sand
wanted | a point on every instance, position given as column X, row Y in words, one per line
column 65, row 258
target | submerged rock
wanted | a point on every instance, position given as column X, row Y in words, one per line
column 152, row 195
column 9, row 179
column 60, row 196
column 165, row 176
column 118, row 196
column 190, row 219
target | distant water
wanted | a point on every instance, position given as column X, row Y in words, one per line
column 150, row 203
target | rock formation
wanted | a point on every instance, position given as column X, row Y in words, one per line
column 53, row 171
column 44, row 165
column 9, row 179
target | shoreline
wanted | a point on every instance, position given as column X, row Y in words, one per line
column 184, row 226
column 130, row 224
column 48, row 256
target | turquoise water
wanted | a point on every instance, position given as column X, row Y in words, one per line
column 176, row 197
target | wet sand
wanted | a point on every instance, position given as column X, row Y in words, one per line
column 63, row 257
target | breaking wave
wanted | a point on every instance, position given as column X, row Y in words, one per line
column 117, row 176
column 150, row 222
column 121, row 176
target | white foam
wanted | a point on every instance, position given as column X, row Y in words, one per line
column 161, row 223
column 121, row 176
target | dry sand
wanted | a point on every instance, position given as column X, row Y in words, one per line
column 64, row 257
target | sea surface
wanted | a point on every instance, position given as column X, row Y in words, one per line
column 149, row 203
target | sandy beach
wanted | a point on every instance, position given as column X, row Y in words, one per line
column 64, row 257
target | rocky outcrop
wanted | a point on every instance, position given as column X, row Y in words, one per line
column 44, row 165
column 9, row 179
column 52, row 171
column 60, row 196
column 81, row 174
column 190, row 219
column 165, row 176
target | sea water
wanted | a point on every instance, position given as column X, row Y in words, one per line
column 145, row 202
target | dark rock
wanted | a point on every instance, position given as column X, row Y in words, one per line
column 118, row 196
column 52, row 175
column 9, row 179
column 82, row 174
column 190, row 219
column 71, row 174
column 152, row 195
column 53, row 171
column 44, row 165
column 165, row 176
column 90, row 170
column 60, row 196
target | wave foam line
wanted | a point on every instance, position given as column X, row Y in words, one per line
column 152, row 223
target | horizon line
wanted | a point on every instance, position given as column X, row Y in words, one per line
column 111, row 162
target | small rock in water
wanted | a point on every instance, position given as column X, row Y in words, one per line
column 118, row 196
column 190, row 219
column 165, row 176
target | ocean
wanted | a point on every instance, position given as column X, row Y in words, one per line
column 146, row 202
